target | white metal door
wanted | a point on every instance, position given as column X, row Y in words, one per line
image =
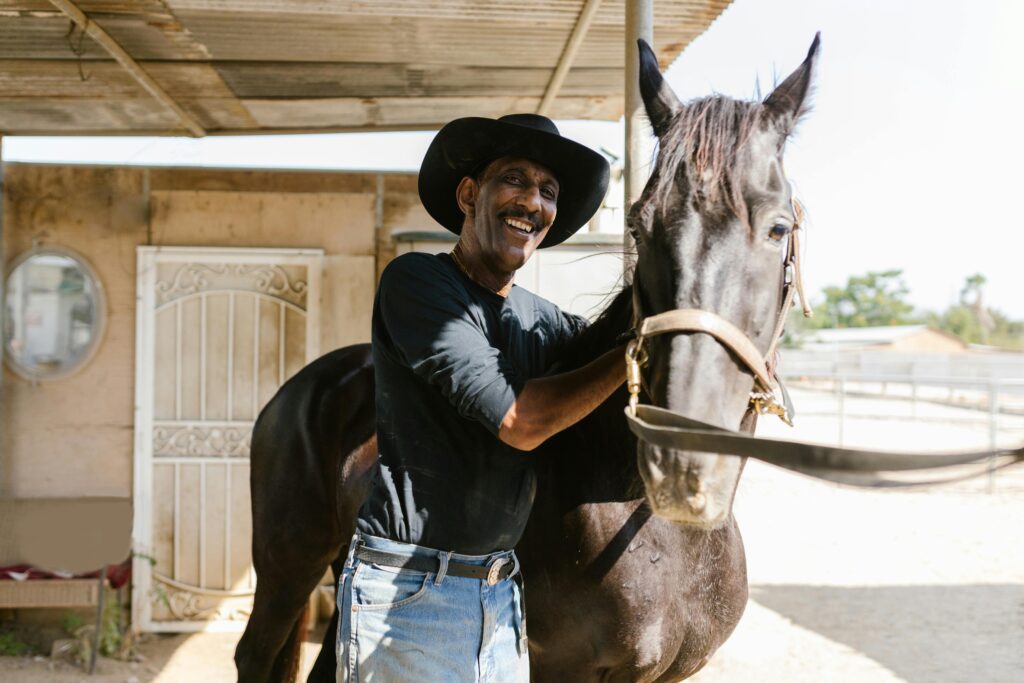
column 219, row 330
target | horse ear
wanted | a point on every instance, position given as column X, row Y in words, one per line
column 789, row 100
column 660, row 101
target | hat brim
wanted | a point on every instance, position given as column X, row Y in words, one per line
column 464, row 144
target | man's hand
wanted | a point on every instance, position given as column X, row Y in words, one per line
column 547, row 405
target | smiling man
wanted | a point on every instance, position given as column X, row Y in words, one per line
column 461, row 357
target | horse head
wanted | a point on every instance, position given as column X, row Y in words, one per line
column 711, row 231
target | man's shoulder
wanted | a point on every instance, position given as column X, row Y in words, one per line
column 526, row 297
column 416, row 269
column 415, row 262
column 549, row 312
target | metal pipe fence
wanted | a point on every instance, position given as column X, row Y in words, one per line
column 914, row 412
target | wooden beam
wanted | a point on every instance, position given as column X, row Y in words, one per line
column 572, row 46
column 96, row 32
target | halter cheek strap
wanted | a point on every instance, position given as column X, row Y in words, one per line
column 763, row 398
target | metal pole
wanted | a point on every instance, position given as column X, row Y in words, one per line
column 99, row 621
column 993, row 431
column 3, row 272
column 639, row 143
column 841, row 408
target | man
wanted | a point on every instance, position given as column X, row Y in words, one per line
column 460, row 356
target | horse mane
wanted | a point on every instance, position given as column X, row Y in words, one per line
column 707, row 139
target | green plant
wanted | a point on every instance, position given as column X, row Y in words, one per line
column 13, row 646
column 112, row 642
column 71, row 622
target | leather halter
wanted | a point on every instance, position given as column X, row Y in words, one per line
column 853, row 467
column 763, row 398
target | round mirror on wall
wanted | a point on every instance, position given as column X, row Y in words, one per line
column 53, row 313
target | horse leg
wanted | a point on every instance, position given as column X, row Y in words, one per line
column 325, row 668
column 270, row 647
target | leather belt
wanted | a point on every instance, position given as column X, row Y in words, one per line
column 499, row 569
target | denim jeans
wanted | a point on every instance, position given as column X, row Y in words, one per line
column 398, row 626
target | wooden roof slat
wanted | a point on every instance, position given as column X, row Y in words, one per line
column 54, row 79
column 238, row 66
column 398, row 111
column 291, row 80
column 556, row 12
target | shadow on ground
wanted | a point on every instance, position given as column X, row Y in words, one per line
column 923, row 634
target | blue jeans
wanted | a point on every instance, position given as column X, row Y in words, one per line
column 404, row 625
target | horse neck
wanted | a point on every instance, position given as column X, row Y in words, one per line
column 595, row 459
column 601, row 336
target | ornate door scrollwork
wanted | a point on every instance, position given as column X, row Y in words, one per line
column 219, row 330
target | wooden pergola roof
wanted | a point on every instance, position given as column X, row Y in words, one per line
column 206, row 67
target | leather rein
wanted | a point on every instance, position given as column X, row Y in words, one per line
column 856, row 467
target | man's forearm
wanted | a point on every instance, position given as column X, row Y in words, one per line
column 547, row 405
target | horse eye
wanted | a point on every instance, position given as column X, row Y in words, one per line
column 778, row 231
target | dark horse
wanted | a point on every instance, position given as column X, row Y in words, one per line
column 627, row 578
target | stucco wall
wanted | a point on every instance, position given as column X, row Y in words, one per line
column 74, row 436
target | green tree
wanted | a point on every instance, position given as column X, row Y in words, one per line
column 877, row 298
column 976, row 324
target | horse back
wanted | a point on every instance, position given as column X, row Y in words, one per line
column 312, row 451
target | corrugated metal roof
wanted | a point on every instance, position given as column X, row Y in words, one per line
column 285, row 65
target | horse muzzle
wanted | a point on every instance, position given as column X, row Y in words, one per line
column 695, row 489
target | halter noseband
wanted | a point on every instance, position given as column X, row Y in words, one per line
column 763, row 398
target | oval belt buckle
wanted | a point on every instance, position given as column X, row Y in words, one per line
column 495, row 569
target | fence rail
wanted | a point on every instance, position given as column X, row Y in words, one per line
column 991, row 409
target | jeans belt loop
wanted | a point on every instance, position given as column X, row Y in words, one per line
column 443, row 558
column 353, row 545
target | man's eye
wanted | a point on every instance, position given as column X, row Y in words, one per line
column 513, row 179
column 549, row 193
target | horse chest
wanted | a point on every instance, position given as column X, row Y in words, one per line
column 638, row 596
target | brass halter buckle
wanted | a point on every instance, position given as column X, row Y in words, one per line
column 636, row 357
column 764, row 403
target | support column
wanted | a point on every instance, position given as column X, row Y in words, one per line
column 639, row 141
column 3, row 271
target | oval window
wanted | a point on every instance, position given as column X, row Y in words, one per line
column 54, row 312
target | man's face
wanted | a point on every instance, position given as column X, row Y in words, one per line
column 514, row 208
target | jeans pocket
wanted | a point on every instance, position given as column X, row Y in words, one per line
column 378, row 588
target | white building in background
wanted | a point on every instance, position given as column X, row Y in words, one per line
column 900, row 338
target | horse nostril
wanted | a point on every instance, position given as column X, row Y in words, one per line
column 696, row 503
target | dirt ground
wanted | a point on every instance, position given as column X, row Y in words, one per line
column 846, row 586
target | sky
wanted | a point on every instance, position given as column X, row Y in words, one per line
column 908, row 159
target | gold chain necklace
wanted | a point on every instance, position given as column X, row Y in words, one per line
column 465, row 271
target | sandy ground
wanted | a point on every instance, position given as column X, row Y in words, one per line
column 847, row 586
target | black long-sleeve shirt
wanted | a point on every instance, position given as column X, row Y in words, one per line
column 450, row 357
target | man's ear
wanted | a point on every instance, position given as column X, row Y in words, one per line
column 465, row 195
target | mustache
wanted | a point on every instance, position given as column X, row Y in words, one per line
column 532, row 218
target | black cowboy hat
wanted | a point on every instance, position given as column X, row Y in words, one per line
column 464, row 146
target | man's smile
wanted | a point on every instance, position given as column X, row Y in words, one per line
column 520, row 225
